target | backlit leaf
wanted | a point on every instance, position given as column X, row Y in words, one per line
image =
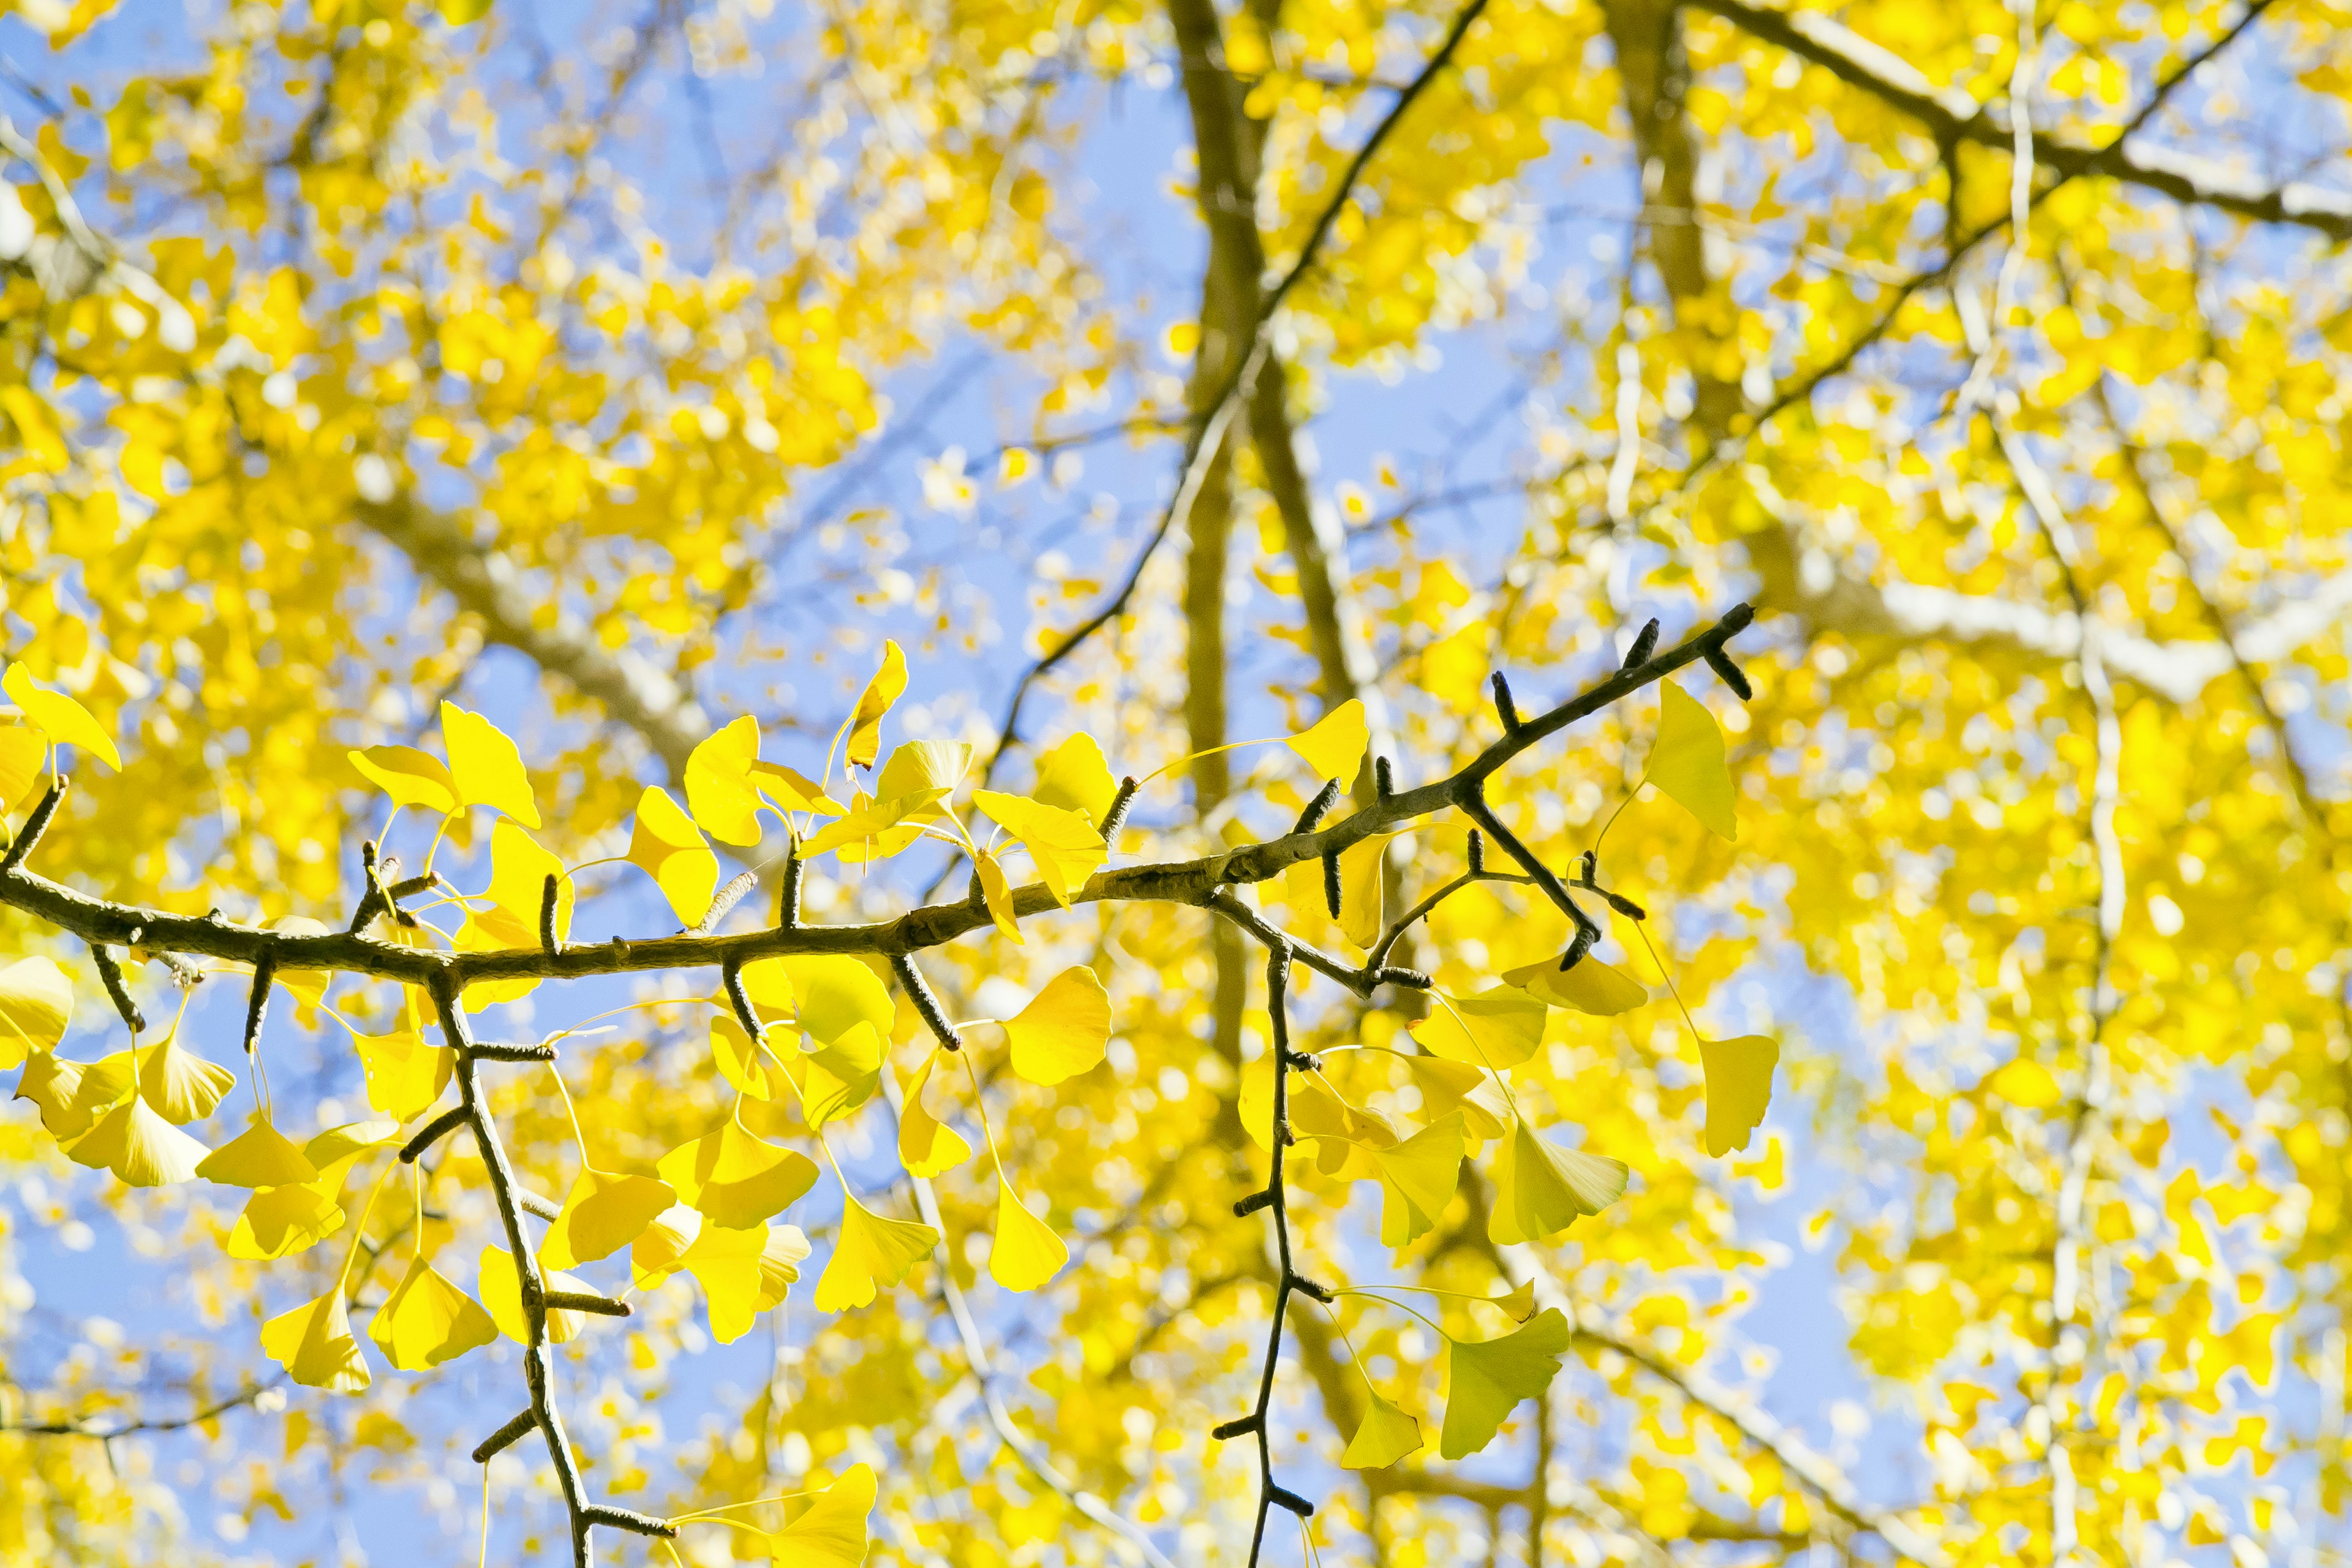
column 869, row 1251
column 1363, row 913
column 1687, row 762
column 1498, row 1029
column 182, row 1086
column 1026, row 1254
column 260, row 1156
column 427, row 1321
column 1489, row 1378
column 1540, row 1188
column 1075, row 777
column 1334, row 746
column 831, row 1531
column 59, row 717
column 1417, row 1179
column 1064, row 1029
column 486, row 765
column 719, row 787
column 928, row 768
column 35, row 1006
column 50, row 1083
column 139, row 1146
column 834, row 995
column 743, row 1064
column 404, row 1074
column 22, row 752
column 881, row 692
column 733, row 1178
column 281, row 1221
column 501, row 1291
column 927, row 1145
column 666, row 845
column 1384, row 1435
column 842, row 1076
column 1738, row 1087
column 1064, row 844
column 997, row 893
column 604, row 1213
column 1592, row 987
column 313, row 1343
column 409, row 777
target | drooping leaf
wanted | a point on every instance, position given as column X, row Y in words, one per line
column 743, row 1064
column 927, row 1145
column 139, row 1146
column 1064, row 844
column 23, row 750
column 1496, row 1029
column 486, row 766
column 260, row 1156
column 1417, row 1179
column 743, row 1273
column 788, row 789
column 1026, row 1254
column 59, row 717
column 337, row 1149
column 1075, row 777
column 50, row 1083
column 1592, row 987
column 1489, row 1378
column 501, row 1291
column 733, row 1178
column 881, row 692
column 427, row 1321
column 831, row 1531
column 1064, row 1029
column 281, row 1221
column 834, row 995
column 604, row 1213
column 313, row 1343
column 1334, row 745
column 1541, row 1188
column 874, row 830
column 1363, row 912
column 409, row 777
column 1738, row 1087
column 182, row 1086
column 869, row 1251
column 1347, row 1136
column 842, row 1076
column 1385, row 1435
column 996, row 891
column 652, row 1257
column 405, row 1075
column 1687, row 762
column 1447, row 1086
column 719, row 787
column 101, row 1087
column 667, row 846
column 36, row 1005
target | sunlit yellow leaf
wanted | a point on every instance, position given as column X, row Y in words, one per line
column 409, row 777
column 733, row 1178
column 604, row 1213
column 790, row 790
column 59, row 717
column 842, row 1076
column 405, row 1075
column 719, row 787
column 1384, row 1435
column 50, row 1083
column 1540, row 1188
column 1346, row 1135
column 335, row 1150
column 313, row 1343
column 427, row 1321
column 1489, row 1378
column 260, row 1156
column 874, row 830
column 1498, row 1029
column 1687, row 762
column 1064, row 844
column 22, row 752
column 182, row 1086
column 1335, row 745
column 1363, row 913
column 36, row 1005
column 486, row 766
column 2021, row 1081
column 139, row 1146
column 1417, row 1179
column 461, row 13
column 501, row 1291
column 881, row 692
column 281, row 1221
column 1026, row 1253
column 869, row 1251
column 98, row 1086
column 1064, row 1029
column 652, row 1257
column 928, row 768
column 834, row 995
column 1592, row 987
column 307, row 985
column 831, row 1531
column 1075, row 777
column 1738, row 1087
column 742, row 1063
column 927, row 1146
column 519, row 873
column 665, row 844
column 780, row 1264
column 997, row 893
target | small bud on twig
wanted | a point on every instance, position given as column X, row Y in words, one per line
column 1478, row 853
column 1306, row 1286
column 1383, row 777
column 548, row 940
column 1317, row 808
column 1115, row 817
column 1331, row 883
column 35, row 826
column 1411, row 979
column 788, row 890
column 1645, row 643
column 605, row 1515
column 432, row 1132
column 583, row 1301
column 1505, row 709
column 1241, row 1427
column 532, row 1202
column 506, row 1051
column 1729, row 673
column 256, row 1005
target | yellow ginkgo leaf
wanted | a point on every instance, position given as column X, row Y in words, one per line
column 1334, row 747
column 337, row 1149
column 2021, row 1081
column 260, row 1156
column 744, row 1064
column 50, row 1083
column 59, row 717
column 930, row 769
column 519, row 873
column 719, row 788
column 665, row 844
column 842, row 1076
column 139, row 1146
column 1592, row 987
column 832, row 995
column 831, row 1531
column 652, row 1257
column 182, row 1086
column 313, row 1343
column 1738, row 1087
column 1026, row 1253
column 427, row 1321
column 1496, row 1029
column 486, row 766
column 36, row 1005
column 865, row 722
column 604, row 1213
column 281, row 1221
column 789, row 789
column 732, row 1178
column 1385, row 1435
column 1489, row 1378
column 409, row 777
column 996, row 891
column 1346, row 1135
column 875, row 829
column 101, row 1087
column 1687, row 762
column 780, row 1264
column 405, row 1075
column 24, row 750
column 1363, row 913
column 1074, row 776
column 1417, row 1179
column 501, row 1291
column 1540, row 1188
column 927, row 1145
column 1064, row 1029
column 737, row 1269
column 868, row 1251
column 1064, row 844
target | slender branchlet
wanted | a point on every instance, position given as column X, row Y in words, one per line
column 432, row 1132
column 1115, row 817
column 1505, row 709
column 111, row 972
column 256, row 1002
column 1645, row 643
column 629, row 1519
column 1239, row 1426
column 1383, row 777
column 918, row 991
column 1729, row 674
column 424, row 883
column 730, row 976
column 1319, row 808
column 35, row 826
column 373, row 901
column 728, row 896
column 583, row 1301
column 505, row 1437
column 1244, row 1207
column 788, row 890
column 548, row 941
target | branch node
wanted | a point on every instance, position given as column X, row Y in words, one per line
column 1115, row 817
column 505, row 1437
column 918, row 991
column 257, row 1006
column 35, row 826
column 432, row 1132
column 1302, row 1061
column 1241, row 1427
column 1505, row 709
column 1317, row 808
column 111, row 972
column 613, row 1518
column 1289, row 1499
column 583, row 1301
column 1645, row 643
column 1252, row 1203
column 547, row 937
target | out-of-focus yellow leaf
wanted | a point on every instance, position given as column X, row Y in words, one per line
column 1687, row 762
column 1362, row 911
column 2021, row 1081
column 35, row 1006
column 59, row 717
column 486, row 765
column 1026, row 1253
column 23, row 750
column 665, row 844
column 1064, row 1029
column 997, row 893
column 409, row 777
